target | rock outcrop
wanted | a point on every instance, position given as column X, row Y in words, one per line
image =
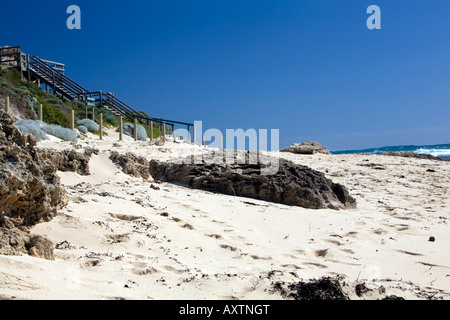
column 410, row 154
column 30, row 191
column 292, row 185
column 131, row 164
column 69, row 160
column 307, row 147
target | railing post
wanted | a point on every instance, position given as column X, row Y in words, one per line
column 135, row 129
column 54, row 88
column 93, row 113
column 28, row 68
column 101, row 126
column 120, row 128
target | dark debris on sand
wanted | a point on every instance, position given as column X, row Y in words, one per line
column 326, row 288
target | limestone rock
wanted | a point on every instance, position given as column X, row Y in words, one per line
column 307, row 147
column 30, row 190
column 410, row 154
column 69, row 160
column 292, row 185
column 131, row 164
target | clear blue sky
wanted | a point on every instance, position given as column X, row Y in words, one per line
column 310, row 68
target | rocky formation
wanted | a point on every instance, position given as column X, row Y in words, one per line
column 410, row 154
column 292, row 185
column 69, row 160
column 30, row 191
column 131, row 164
column 307, row 147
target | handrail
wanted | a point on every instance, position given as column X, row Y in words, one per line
column 50, row 70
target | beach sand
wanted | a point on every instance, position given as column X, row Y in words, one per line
column 122, row 237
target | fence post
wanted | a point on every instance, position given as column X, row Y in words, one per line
column 72, row 120
column 7, row 104
column 93, row 114
column 135, row 129
column 120, row 128
column 101, row 126
column 164, row 132
column 151, row 130
column 40, row 112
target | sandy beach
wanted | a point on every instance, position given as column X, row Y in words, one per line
column 125, row 237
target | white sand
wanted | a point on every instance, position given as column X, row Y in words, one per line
column 120, row 238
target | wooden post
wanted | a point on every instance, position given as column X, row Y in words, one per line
column 193, row 137
column 93, row 114
column 101, row 126
column 7, row 104
column 72, row 120
column 151, row 130
column 40, row 111
column 120, row 128
column 135, row 129
column 85, row 110
column 164, row 132
column 203, row 140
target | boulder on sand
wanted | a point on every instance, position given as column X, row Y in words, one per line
column 292, row 185
column 307, row 147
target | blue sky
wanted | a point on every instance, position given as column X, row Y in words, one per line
column 310, row 68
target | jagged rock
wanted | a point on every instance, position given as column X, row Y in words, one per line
column 307, row 147
column 157, row 142
column 69, row 160
column 40, row 247
column 30, row 190
column 131, row 164
column 292, row 184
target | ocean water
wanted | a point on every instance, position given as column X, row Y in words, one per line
column 438, row 150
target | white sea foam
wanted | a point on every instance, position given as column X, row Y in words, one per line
column 434, row 152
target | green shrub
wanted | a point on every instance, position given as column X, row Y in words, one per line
column 53, row 114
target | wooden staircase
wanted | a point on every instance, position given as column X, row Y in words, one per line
column 52, row 75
